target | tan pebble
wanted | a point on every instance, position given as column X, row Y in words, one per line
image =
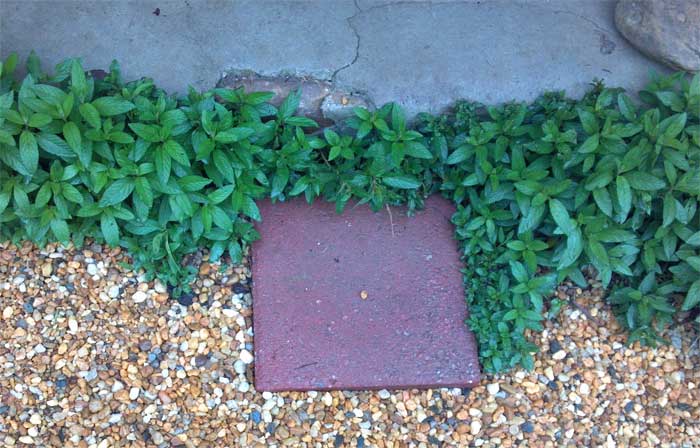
column 46, row 269
column 62, row 348
column 463, row 428
column 363, row 295
column 463, row 415
column 7, row 312
column 164, row 397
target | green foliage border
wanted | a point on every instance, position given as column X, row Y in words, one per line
column 543, row 190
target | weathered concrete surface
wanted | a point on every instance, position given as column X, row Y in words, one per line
column 423, row 54
column 360, row 300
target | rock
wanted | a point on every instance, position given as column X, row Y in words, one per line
column 95, row 406
column 73, row 325
column 475, row 427
column 46, row 269
column 139, row 297
column 313, row 91
column 493, row 388
column 113, row 291
column 7, row 312
column 115, row 418
column 558, row 356
column 246, row 356
column 185, row 299
column 584, row 389
column 384, row 394
column 668, row 30
column 338, row 106
column 92, row 269
column 239, row 366
column 201, row 360
column 134, row 393
column 157, row 437
column 327, row 399
column 320, row 100
column 527, row 427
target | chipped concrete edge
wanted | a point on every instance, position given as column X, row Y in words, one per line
column 321, row 99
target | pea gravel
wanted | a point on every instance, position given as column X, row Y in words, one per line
column 93, row 356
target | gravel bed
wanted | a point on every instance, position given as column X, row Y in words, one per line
column 92, row 356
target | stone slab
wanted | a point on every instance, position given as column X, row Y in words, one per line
column 313, row 328
column 422, row 54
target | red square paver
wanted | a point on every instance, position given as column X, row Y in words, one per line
column 313, row 328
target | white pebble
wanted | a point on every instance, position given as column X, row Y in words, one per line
column 475, row 427
column 384, row 394
column 115, row 418
column 584, row 389
column 561, row 354
column 246, row 356
column 239, row 367
column 92, row 269
column 327, row 399
column 493, row 388
column 139, row 296
column 134, row 393
column 244, row 387
column 113, row 291
column 73, row 325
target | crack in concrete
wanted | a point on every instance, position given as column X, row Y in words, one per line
column 359, row 11
column 357, row 43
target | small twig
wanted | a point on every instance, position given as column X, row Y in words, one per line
column 391, row 220
column 692, row 344
column 585, row 311
column 325, row 160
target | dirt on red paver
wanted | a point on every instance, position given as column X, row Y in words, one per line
column 345, row 302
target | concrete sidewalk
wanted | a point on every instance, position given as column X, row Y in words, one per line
column 422, row 54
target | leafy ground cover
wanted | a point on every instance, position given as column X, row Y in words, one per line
column 549, row 191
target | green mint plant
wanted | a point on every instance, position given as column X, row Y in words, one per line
column 544, row 191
